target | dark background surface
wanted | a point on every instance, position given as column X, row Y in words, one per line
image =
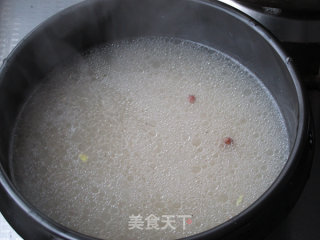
column 303, row 222
column 294, row 5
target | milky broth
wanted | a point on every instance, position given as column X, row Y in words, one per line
column 138, row 128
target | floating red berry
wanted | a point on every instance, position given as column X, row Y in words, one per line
column 228, row 140
column 192, row 98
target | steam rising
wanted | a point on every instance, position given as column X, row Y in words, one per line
column 114, row 134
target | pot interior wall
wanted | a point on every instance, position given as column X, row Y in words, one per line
column 95, row 22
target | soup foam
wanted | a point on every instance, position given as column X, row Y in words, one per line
column 137, row 128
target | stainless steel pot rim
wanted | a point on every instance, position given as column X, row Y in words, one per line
column 301, row 136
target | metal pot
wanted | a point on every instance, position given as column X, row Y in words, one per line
column 210, row 23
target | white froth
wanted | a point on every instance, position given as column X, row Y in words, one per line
column 114, row 135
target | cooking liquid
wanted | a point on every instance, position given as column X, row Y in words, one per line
column 115, row 135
